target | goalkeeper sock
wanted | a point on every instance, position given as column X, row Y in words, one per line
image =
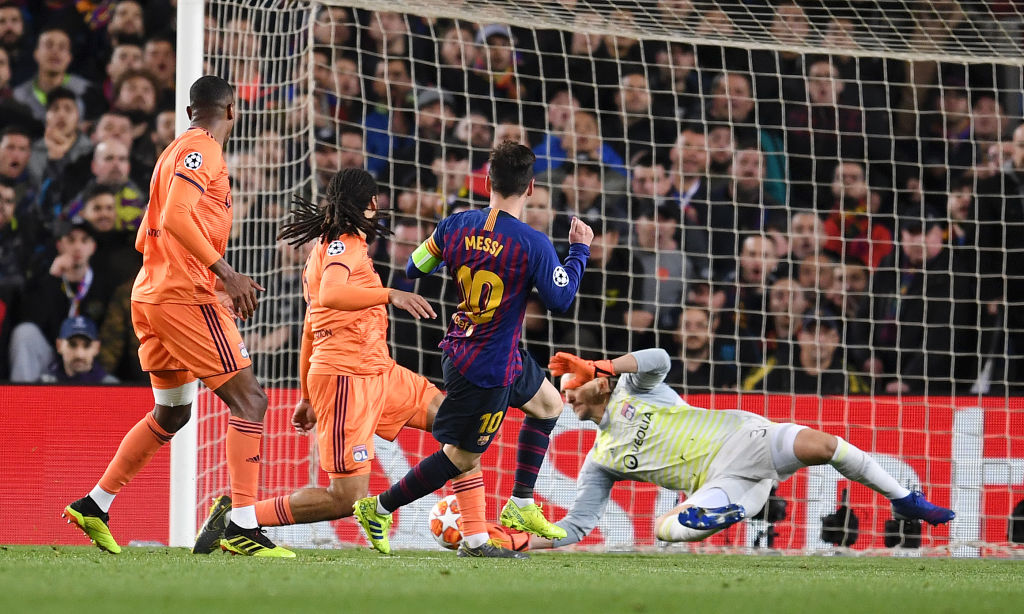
column 274, row 512
column 431, row 473
column 136, row 449
column 534, row 437
column 243, row 451
column 857, row 465
column 469, row 491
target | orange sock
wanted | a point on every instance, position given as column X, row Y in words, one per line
column 136, row 449
column 243, row 451
column 274, row 512
column 473, row 506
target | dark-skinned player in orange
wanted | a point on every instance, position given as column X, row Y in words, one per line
column 184, row 329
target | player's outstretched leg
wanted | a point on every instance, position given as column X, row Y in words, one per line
column 812, row 447
column 212, row 531
column 915, row 507
column 375, row 523
column 522, row 512
column 88, row 517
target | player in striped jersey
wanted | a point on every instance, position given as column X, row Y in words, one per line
column 497, row 261
column 725, row 461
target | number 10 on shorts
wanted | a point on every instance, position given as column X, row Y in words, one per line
column 491, row 422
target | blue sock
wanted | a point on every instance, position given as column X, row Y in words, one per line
column 430, row 474
column 534, row 436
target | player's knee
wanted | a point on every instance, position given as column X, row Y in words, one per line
column 464, row 461
column 173, row 418
column 254, row 404
column 342, row 504
column 813, row 447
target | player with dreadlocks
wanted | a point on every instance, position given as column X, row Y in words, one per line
column 351, row 387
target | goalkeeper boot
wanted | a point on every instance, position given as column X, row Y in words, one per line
column 712, row 518
column 530, row 518
column 490, row 550
column 213, row 529
column 88, row 517
column 251, row 542
column 915, row 507
column 375, row 525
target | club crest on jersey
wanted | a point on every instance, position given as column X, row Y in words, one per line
column 336, row 248
column 193, row 160
column 628, row 411
column 359, row 454
column 560, row 277
column 242, row 350
column 482, row 440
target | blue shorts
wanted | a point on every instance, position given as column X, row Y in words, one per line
column 470, row 416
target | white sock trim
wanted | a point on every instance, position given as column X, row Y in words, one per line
column 475, row 540
column 244, row 517
column 521, row 501
column 102, row 498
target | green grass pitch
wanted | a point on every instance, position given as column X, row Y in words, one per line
column 75, row 580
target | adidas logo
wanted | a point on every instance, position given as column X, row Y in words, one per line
column 253, row 459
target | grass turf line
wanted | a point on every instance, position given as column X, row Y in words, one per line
column 82, row 579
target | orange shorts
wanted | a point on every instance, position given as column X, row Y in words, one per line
column 351, row 409
column 200, row 339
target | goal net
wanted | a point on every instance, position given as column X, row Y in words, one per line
column 817, row 208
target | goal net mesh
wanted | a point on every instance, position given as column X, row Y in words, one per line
column 815, row 207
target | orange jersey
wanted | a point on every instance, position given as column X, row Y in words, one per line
column 346, row 342
column 170, row 273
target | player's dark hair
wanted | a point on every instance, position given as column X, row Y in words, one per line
column 511, row 168
column 210, row 91
column 347, row 198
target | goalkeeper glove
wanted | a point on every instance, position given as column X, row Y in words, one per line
column 582, row 370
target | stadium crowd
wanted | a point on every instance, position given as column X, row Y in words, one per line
column 779, row 221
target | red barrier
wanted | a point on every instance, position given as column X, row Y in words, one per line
column 966, row 452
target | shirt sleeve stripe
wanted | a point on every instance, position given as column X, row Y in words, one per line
column 192, row 181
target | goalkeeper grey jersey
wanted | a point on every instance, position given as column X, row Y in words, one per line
column 648, row 434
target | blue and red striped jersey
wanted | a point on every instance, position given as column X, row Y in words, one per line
column 496, row 261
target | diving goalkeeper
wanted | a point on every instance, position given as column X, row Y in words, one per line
column 725, row 461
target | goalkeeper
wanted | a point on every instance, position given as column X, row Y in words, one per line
column 725, row 461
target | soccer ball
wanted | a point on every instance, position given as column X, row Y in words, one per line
column 446, row 523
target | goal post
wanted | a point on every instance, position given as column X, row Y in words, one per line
column 757, row 171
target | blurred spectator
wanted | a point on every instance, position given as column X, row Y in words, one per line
column 676, row 79
column 963, row 231
column 115, row 248
column 787, row 302
column 119, row 346
column 421, row 202
column 15, row 151
column 922, row 306
column 742, row 297
column 78, row 345
column 136, row 94
column 635, row 125
column 53, row 56
column 582, row 195
column 609, row 293
column 806, row 237
column 347, row 89
column 731, row 102
column 509, row 83
column 538, row 213
column 741, row 206
column 817, row 367
column 69, row 288
column 852, row 227
column 62, row 141
column 158, row 58
column 849, row 290
column 654, row 244
column 451, row 170
column 126, row 55
column 648, row 178
column 15, row 43
column 126, row 21
column 458, row 52
column 111, row 167
column 988, row 126
column 779, row 75
column 350, row 147
column 816, row 272
column 413, row 342
column 387, row 35
column 12, row 112
column 579, row 137
column 274, row 333
column 333, row 26
column 721, row 148
column 700, row 368
column 434, row 120
column 690, row 189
